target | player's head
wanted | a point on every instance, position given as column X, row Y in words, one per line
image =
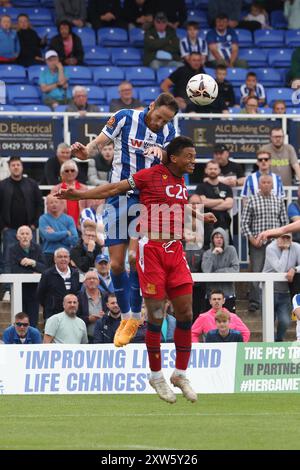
column 161, row 111
column 181, row 153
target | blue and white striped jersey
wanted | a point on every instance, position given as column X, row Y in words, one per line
column 259, row 91
column 187, row 47
column 251, row 185
column 128, row 130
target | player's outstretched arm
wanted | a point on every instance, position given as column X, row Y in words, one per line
column 100, row 192
column 84, row 152
column 277, row 232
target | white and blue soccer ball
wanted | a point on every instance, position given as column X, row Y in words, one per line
column 202, row 89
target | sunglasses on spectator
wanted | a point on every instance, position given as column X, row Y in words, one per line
column 19, row 323
column 263, row 159
column 71, row 170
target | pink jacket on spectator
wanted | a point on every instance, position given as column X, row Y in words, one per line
column 206, row 322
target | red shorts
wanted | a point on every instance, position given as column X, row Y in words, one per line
column 163, row 270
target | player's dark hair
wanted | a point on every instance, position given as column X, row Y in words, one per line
column 166, row 99
column 216, row 291
column 177, row 145
column 251, row 74
column 20, row 316
column 14, row 159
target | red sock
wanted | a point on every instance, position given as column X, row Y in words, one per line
column 153, row 346
column 183, row 344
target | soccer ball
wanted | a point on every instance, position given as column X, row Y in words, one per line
column 202, row 89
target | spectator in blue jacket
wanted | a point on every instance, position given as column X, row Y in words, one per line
column 57, row 229
column 21, row 332
column 9, row 41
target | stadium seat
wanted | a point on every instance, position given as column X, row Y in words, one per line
column 12, row 12
column 269, row 38
column 290, row 110
column 126, row 56
column 278, row 20
column 112, row 37
column 266, row 110
column 181, row 33
column 96, row 95
column 292, row 38
column 104, row 108
column 285, row 94
column 46, row 31
column 97, row 56
column 13, row 73
column 79, row 75
column 108, row 75
column 211, row 71
column 87, row 36
column 254, row 57
column 34, row 72
column 280, row 57
column 245, row 37
column 136, row 37
column 112, row 93
column 164, row 72
column 268, row 76
column 236, row 76
column 34, row 107
column 198, row 16
column 23, row 94
column 26, row 3
column 8, row 107
column 61, row 108
column 148, row 94
column 140, row 76
column 39, row 16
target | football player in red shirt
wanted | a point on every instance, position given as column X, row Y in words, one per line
column 162, row 268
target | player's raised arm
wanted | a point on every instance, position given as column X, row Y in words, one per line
column 278, row 232
column 100, row 192
column 84, row 152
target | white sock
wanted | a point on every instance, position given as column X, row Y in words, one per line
column 126, row 316
column 180, row 372
column 136, row 315
column 156, row 374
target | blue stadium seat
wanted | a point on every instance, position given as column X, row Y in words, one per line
column 8, row 107
column 34, row 72
column 112, row 93
column 268, row 76
column 237, row 94
column 234, row 110
column 148, row 94
column 278, row 20
column 34, row 107
column 292, row 38
column 48, row 31
column 23, row 94
column 285, row 94
column 115, row 37
column 104, row 108
column 12, row 12
column 181, row 33
column 13, row 73
column 126, row 56
column 136, row 37
column 254, row 57
column 40, row 16
column 290, row 110
column 26, row 3
column 211, row 71
column 236, row 76
column 245, row 37
column 79, row 75
column 140, row 76
column 87, row 36
column 164, row 72
column 198, row 16
column 108, row 75
column 97, row 56
column 96, row 95
column 266, row 110
column 269, row 38
column 280, row 57
column 61, row 108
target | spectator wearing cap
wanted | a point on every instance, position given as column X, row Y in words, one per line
column 102, row 265
column 9, row 41
column 126, row 100
column 21, row 332
column 53, row 81
column 83, row 255
column 73, row 11
column 80, row 103
column 67, row 44
column 223, row 44
column 103, row 14
column 282, row 256
column 161, row 45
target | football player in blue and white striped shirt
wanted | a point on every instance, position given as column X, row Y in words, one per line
column 252, row 88
column 140, row 139
column 251, row 185
column 192, row 42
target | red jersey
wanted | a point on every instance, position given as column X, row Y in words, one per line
column 163, row 197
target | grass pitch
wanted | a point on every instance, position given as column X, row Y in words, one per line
column 132, row 422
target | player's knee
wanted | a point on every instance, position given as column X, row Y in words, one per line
column 117, row 268
column 185, row 315
column 132, row 259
